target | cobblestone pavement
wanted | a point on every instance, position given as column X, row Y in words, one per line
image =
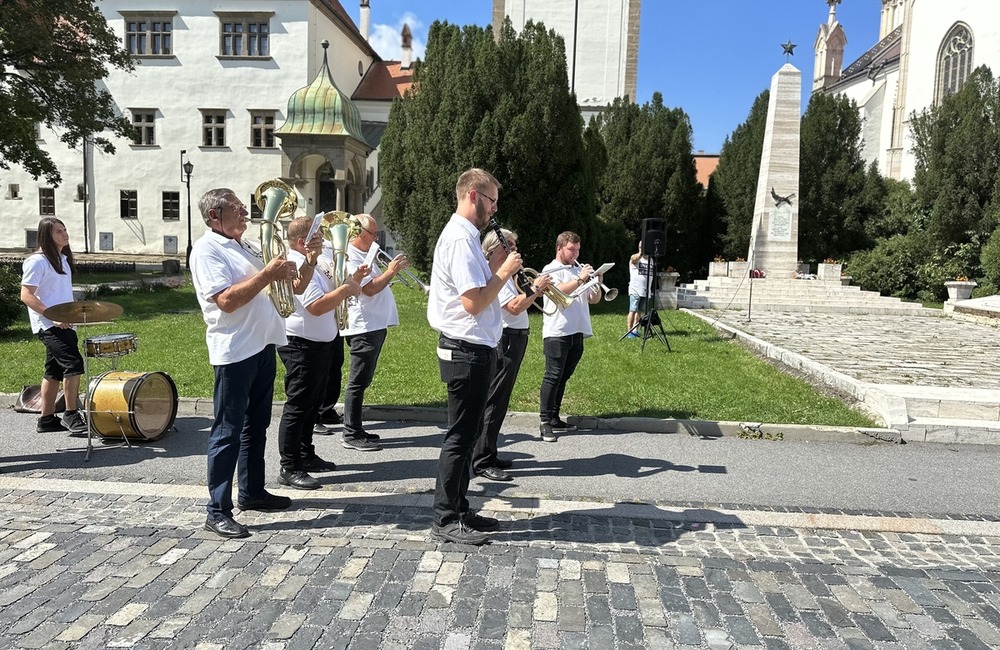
column 104, row 570
column 917, row 350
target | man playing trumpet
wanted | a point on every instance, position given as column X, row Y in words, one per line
column 513, row 343
column 368, row 316
column 563, row 331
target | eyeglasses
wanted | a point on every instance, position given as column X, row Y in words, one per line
column 373, row 234
column 493, row 201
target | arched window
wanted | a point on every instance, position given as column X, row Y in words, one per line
column 954, row 61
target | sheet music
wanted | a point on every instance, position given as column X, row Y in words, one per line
column 315, row 225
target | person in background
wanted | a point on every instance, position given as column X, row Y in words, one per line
column 311, row 330
column 513, row 343
column 46, row 281
column 242, row 330
column 368, row 318
column 638, row 290
column 563, row 331
column 463, row 309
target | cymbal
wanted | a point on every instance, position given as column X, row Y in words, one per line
column 83, row 311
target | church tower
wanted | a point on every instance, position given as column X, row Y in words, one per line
column 829, row 48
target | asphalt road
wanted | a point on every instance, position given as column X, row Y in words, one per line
column 607, row 466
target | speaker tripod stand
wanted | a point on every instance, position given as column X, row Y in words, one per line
column 650, row 323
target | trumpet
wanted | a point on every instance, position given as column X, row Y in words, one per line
column 610, row 293
column 409, row 280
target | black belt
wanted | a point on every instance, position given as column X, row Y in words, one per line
column 448, row 343
column 513, row 331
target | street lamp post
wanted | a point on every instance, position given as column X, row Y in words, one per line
column 186, row 169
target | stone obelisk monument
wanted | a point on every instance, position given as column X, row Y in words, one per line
column 774, row 238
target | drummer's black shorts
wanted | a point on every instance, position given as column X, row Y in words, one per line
column 62, row 353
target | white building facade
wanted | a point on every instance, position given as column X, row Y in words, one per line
column 212, row 86
column 602, row 43
column 926, row 49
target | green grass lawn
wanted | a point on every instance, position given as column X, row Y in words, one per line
column 704, row 377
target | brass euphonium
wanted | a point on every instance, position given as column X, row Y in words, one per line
column 339, row 228
column 276, row 200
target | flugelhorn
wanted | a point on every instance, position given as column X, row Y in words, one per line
column 338, row 228
column 408, row 279
column 525, row 279
column 276, row 200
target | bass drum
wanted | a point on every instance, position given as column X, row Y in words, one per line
column 139, row 405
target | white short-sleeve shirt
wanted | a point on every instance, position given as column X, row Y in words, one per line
column 575, row 319
column 369, row 313
column 51, row 288
column 301, row 323
column 508, row 293
column 459, row 265
column 637, row 277
column 217, row 263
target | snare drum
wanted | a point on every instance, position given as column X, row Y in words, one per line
column 110, row 345
column 139, row 404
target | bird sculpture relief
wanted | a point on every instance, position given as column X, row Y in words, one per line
column 779, row 200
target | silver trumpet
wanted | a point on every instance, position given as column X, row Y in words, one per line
column 409, row 280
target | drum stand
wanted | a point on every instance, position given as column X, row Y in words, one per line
column 86, row 405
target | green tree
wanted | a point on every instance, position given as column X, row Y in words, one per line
column 498, row 103
column 837, row 196
column 651, row 173
column 53, row 55
column 956, row 148
column 734, row 182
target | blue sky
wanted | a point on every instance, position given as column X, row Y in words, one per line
column 710, row 58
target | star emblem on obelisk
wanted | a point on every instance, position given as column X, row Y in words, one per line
column 789, row 48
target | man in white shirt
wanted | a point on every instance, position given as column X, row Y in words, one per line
column 311, row 330
column 243, row 329
column 514, row 341
column 563, row 331
column 368, row 318
column 638, row 290
column 463, row 308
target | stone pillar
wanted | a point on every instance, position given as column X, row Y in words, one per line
column 774, row 237
column 341, row 187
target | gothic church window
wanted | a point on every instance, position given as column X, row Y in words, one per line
column 954, row 61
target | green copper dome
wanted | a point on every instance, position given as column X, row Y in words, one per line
column 321, row 108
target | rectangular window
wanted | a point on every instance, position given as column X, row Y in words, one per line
column 47, row 201
column 31, row 239
column 213, row 128
column 171, row 206
column 129, row 204
column 262, row 129
column 149, row 34
column 255, row 212
column 14, row 191
column 81, row 192
column 106, row 241
column 246, row 35
column 142, row 124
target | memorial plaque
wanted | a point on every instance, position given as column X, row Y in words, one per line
column 779, row 225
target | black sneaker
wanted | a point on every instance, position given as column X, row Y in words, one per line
column 49, row 424
column 494, row 474
column 360, row 444
column 323, row 430
column 74, row 422
column 559, row 425
column 371, row 436
column 548, row 435
column 265, row 501
column 475, row 521
column 332, row 419
column 459, row 533
column 316, row 464
column 298, row 480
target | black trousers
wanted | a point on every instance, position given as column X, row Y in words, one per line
column 327, row 409
column 467, row 374
column 509, row 356
column 365, row 349
column 307, row 366
column 562, row 354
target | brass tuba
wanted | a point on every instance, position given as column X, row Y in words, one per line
column 339, row 228
column 276, row 199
